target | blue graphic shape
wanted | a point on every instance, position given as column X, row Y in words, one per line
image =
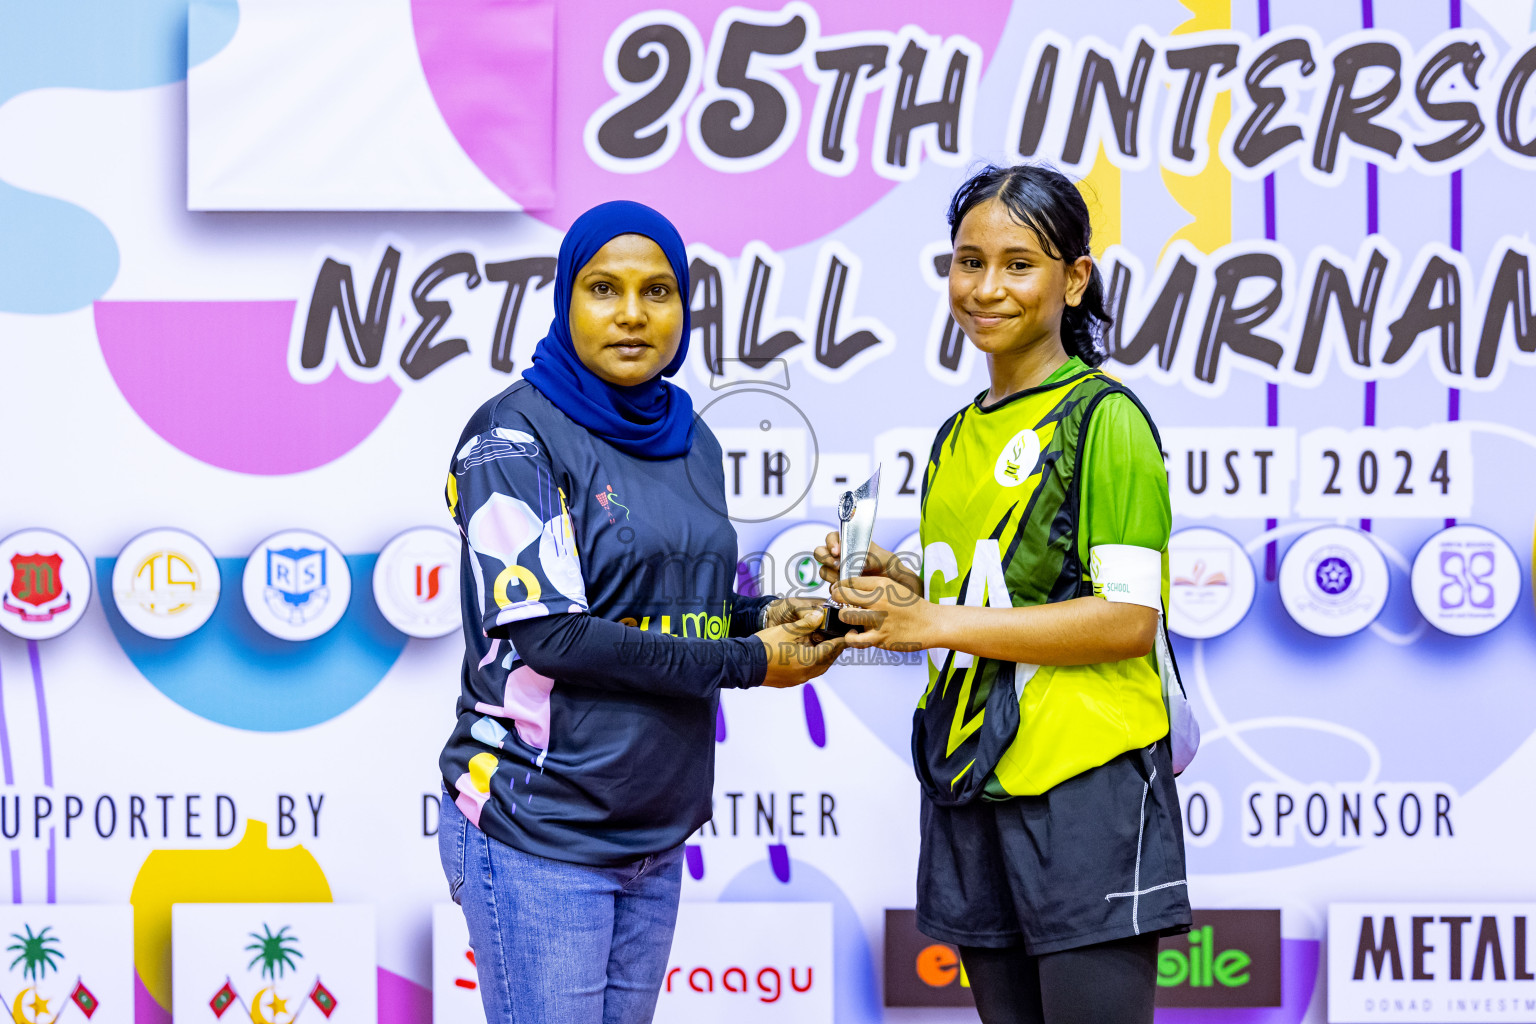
column 211, row 25
column 232, row 672
column 856, row 998
column 55, row 256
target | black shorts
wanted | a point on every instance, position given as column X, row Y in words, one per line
column 1095, row 858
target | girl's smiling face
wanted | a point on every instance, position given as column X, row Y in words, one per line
column 626, row 312
column 1005, row 291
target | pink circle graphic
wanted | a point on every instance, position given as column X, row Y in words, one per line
column 211, row 378
column 495, row 119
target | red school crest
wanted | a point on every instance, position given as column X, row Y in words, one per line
column 35, row 578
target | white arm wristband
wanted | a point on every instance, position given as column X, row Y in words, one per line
column 1127, row 574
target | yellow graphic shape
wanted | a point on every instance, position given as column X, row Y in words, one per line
column 31, row 1011
column 1101, row 193
column 269, row 1008
column 453, row 495
column 1207, row 196
column 248, row 872
column 481, row 767
column 504, row 580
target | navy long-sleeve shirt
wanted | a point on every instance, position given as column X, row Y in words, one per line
column 600, row 622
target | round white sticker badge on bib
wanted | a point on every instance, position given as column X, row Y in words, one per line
column 1017, row 459
column 296, row 585
column 1211, row 583
column 165, row 583
column 1466, row 580
column 1334, row 581
column 416, row 582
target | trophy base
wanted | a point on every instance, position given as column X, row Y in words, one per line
column 832, row 625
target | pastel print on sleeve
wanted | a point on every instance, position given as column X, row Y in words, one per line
column 514, row 516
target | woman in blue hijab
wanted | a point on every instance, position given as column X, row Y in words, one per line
column 600, row 623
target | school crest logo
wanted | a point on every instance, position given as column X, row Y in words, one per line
column 416, row 582
column 1333, row 581
column 165, row 583
column 1211, row 583
column 273, row 964
column 47, row 584
column 1466, row 580
column 297, row 585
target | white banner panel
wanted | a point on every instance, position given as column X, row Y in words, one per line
column 363, row 105
column 272, row 963
column 455, row 982
column 749, row 962
column 1441, row 962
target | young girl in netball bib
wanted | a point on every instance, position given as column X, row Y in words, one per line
column 1052, row 849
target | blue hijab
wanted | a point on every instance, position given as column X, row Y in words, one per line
column 653, row 420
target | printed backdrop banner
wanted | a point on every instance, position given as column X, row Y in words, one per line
column 228, row 662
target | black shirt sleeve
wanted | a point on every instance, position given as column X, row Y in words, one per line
column 598, row 653
column 746, row 612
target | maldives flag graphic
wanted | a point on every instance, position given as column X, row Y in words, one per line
column 321, row 997
column 221, row 999
column 82, row 998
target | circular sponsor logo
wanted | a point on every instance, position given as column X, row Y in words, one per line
column 1466, row 580
column 165, row 583
column 1334, row 581
column 1211, row 583
column 789, row 565
column 47, row 584
column 1017, row 459
column 416, row 582
column 296, row 585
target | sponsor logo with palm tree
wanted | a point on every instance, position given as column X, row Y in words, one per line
column 37, row 953
column 277, row 953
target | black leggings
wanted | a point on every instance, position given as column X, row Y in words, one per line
column 1111, row 983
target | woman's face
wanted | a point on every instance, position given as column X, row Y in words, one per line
column 626, row 311
column 1006, row 294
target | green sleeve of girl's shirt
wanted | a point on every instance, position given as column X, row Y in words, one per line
column 1125, row 485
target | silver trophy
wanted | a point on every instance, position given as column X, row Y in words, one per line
column 855, row 532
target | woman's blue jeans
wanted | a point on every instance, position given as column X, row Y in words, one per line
column 559, row 943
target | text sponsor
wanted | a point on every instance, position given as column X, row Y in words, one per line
column 1229, row 958
column 749, row 962
column 1341, row 814
column 151, row 816
column 1430, row 961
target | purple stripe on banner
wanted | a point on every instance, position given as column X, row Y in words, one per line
column 52, row 865
column 15, row 876
column 1263, row 17
column 1456, row 210
column 5, row 739
column 1272, row 391
column 1372, row 226
column 42, row 712
column 1269, row 207
column 1453, row 399
column 1372, row 204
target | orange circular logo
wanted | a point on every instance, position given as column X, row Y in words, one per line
column 938, row 965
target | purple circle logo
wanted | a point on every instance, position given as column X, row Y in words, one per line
column 1334, row 575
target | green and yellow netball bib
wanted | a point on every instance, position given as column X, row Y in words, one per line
column 1002, row 499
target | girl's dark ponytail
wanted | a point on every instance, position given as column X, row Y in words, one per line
column 1043, row 199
